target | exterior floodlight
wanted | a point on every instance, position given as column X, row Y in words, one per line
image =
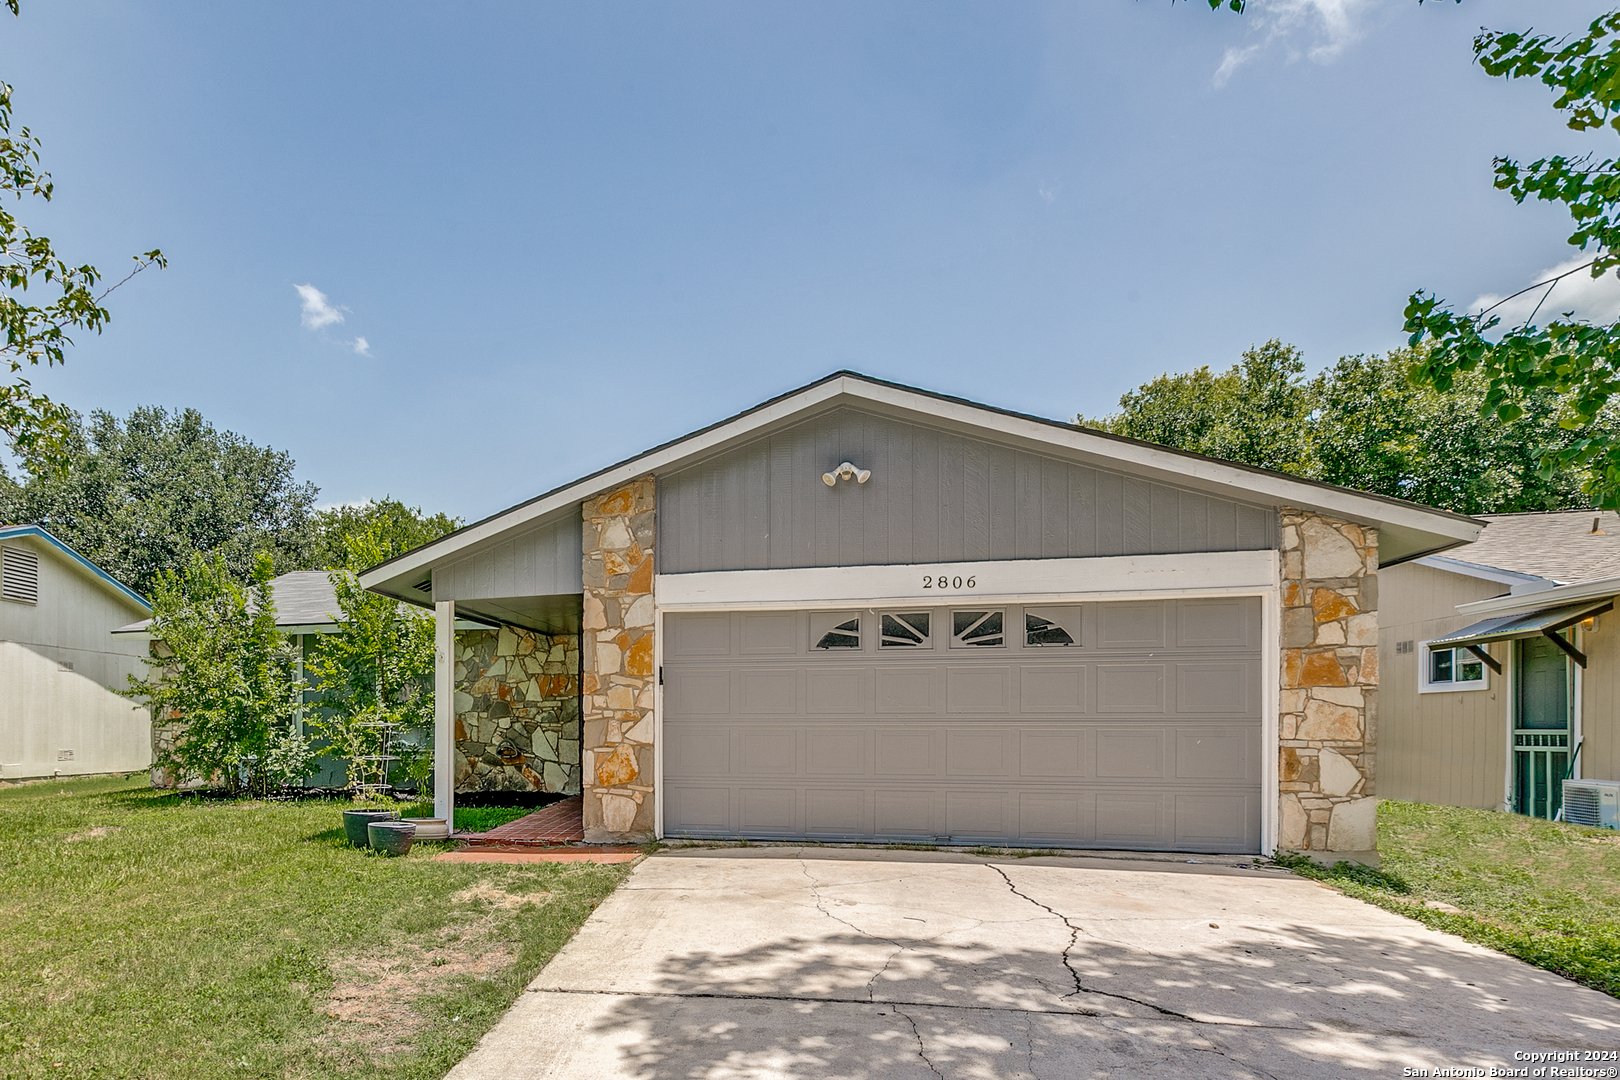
column 846, row 471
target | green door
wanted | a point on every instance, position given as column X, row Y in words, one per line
column 1541, row 727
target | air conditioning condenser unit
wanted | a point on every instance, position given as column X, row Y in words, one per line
column 1592, row 802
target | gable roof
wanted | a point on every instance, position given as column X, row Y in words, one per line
column 96, row 573
column 1408, row 530
column 1558, row 545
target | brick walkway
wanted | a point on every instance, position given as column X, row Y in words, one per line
column 536, row 854
column 560, row 823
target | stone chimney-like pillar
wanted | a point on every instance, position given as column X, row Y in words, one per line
column 617, row 677
column 1328, row 711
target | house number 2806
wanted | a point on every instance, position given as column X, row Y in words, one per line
column 931, row 581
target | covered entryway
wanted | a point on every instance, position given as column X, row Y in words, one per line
column 1112, row 724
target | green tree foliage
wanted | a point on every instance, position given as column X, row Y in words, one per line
column 1574, row 360
column 143, row 495
column 389, row 522
column 1250, row 413
column 68, row 297
column 374, row 681
column 226, row 680
column 1363, row 424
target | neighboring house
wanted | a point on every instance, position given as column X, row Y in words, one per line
column 862, row 611
column 306, row 608
column 59, row 715
column 1501, row 665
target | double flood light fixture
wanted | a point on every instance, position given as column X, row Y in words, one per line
column 846, row 471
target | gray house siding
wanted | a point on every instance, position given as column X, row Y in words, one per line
column 933, row 497
column 544, row 561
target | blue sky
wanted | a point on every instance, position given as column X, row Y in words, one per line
column 567, row 232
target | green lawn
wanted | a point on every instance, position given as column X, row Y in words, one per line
column 1546, row 893
column 142, row 935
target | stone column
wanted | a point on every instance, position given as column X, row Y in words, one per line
column 616, row 664
column 1329, row 685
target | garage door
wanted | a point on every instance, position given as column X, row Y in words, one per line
column 1124, row 725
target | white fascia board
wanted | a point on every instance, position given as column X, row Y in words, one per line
column 651, row 462
column 1011, row 581
column 1482, row 572
column 1169, row 464
column 1546, row 598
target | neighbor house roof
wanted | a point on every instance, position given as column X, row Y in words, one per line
column 100, row 576
column 1407, row 530
column 1561, row 545
column 305, row 603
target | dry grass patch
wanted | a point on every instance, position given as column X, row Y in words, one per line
column 149, row 937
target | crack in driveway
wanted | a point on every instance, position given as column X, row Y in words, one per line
column 1079, row 984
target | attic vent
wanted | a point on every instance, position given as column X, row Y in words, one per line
column 425, row 585
column 19, row 575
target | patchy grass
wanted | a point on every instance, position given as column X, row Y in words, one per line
column 1547, row 893
column 149, row 936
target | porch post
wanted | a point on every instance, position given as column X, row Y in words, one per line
column 444, row 712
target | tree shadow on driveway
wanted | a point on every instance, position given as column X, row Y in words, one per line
column 1290, row 1001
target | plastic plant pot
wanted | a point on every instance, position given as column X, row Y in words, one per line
column 391, row 837
column 355, row 822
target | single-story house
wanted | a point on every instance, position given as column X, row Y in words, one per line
column 863, row 611
column 1502, row 665
column 59, row 714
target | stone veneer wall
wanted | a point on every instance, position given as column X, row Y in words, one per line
column 1328, row 711
column 517, row 691
column 617, row 676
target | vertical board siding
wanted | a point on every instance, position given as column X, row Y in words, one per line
column 933, row 497
column 1448, row 748
column 540, row 562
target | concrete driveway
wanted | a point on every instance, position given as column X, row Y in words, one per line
column 818, row 963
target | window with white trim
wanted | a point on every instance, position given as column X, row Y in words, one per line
column 1447, row 669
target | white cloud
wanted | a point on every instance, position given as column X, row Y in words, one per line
column 316, row 311
column 362, row 346
column 1049, row 192
column 1317, row 29
column 1596, row 300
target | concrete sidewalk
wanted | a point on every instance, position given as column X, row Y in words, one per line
column 821, row 963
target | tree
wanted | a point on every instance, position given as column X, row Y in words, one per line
column 1254, row 413
column 1573, row 360
column 1374, row 430
column 141, row 496
column 39, row 332
column 392, row 524
column 374, row 679
column 1362, row 424
column 225, row 681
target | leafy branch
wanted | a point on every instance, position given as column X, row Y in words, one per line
column 1572, row 358
column 40, row 332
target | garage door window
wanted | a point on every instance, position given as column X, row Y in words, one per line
column 840, row 631
column 1039, row 631
column 905, row 630
column 977, row 629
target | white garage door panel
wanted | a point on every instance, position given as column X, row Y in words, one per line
column 1143, row 733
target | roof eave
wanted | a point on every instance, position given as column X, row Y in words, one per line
column 1448, row 529
column 1562, row 594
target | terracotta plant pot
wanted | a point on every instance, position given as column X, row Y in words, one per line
column 391, row 837
column 355, row 822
